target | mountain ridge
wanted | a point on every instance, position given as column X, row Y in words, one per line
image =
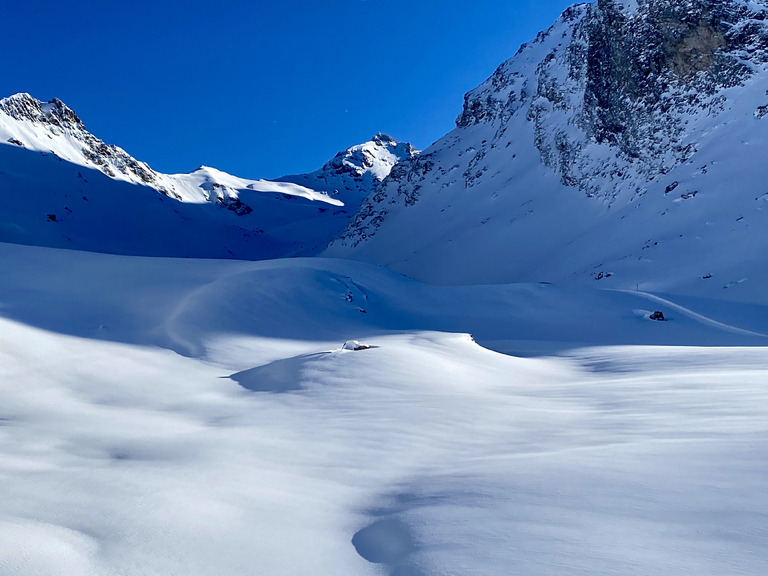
column 294, row 215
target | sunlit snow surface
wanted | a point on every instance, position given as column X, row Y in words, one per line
column 183, row 417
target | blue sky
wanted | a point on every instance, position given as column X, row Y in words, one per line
column 260, row 89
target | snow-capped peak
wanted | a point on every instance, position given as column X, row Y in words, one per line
column 376, row 157
column 356, row 172
column 24, row 107
column 70, row 187
column 54, row 128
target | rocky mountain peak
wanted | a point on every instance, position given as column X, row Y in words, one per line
column 24, row 107
column 375, row 157
column 381, row 139
column 356, row 172
column 53, row 127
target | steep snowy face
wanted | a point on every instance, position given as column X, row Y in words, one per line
column 52, row 127
column 617, row 114
column 355, row 172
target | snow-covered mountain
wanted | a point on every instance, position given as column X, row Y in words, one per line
column 625, row 145
column 353, row 173
column 63, row 187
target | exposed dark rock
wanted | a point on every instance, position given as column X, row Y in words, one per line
column 671, row 187
column 631, row 74
column 235, row 205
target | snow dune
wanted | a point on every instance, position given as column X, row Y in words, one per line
column 201, row 417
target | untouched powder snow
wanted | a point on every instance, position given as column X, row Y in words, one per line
column 201, row 417
column 212, row 184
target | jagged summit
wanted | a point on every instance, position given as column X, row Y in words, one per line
column 355, row 172
column 52, row 127
column 382, row 139
column 623, row 144
column 375, row 157
column 24, row 107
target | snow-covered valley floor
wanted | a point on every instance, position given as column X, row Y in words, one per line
column 189, row 417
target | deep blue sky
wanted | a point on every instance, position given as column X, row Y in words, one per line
column 257, row 88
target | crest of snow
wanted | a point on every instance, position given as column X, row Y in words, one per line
column 72, row 190
column 209, row 184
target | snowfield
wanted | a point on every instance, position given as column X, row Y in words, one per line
column 179, row 417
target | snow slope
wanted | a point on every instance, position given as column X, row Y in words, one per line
column 175, row 417
column 622, row 147
column 42, row 202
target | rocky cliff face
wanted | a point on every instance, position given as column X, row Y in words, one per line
column 627, row 76
column 609, row 102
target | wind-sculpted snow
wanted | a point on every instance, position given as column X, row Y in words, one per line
column 205, row 417
column 623, row 146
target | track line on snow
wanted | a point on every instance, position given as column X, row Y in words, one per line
column 695, row 315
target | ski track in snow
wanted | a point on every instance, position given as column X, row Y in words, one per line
column 696, row 316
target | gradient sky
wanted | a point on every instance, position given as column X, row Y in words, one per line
column 260, row 89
